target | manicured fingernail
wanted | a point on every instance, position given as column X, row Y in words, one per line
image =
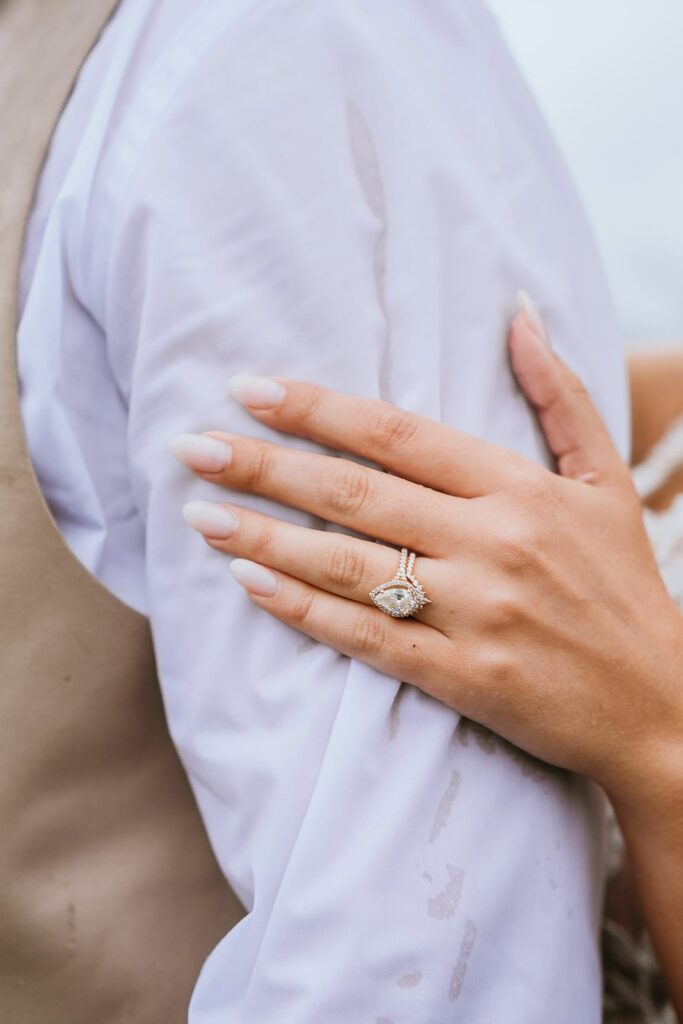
column 256, row 392
column 527, row 307
column 212, row 520
column 254, row 578
column 205, row 454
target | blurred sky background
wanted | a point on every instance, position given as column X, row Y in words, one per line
column 609, row 77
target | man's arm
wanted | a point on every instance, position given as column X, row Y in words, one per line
column 395, row 864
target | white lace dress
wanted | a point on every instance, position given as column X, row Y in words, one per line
column 665, row 528
column 634, row 989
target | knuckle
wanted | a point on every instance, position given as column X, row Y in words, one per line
column 503, row 610
column 260, row 467
column 496, row 668
column 518, row 540
column 367, row 634
column 350, row 492
column 262, row 543
column 393, row 427
column 573, row 383
column 345, row 567
column 510, row 540
column 301, row 609
column 309, row 401
column 565, row 383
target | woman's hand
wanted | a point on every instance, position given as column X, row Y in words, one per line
column 549, row 622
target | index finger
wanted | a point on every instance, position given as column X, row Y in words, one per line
column 411, row 446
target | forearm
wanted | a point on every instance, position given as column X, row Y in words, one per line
column 649, row 806
column 654, row 838
column 656, row 379
column 655, row 847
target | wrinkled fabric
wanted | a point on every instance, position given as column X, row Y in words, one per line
column 349, row 193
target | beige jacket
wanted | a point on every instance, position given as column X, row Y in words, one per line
column 110, row 898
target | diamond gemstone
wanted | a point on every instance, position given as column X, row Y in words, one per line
column 396, row 600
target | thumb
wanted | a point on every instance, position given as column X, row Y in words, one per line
column 574, row 431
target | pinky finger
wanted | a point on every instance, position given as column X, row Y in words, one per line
column 403, row 649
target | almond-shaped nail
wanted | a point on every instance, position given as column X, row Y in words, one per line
column 204, row 454
column 212, row 521
column 256, row 392
column 528, row 308
column 254, row 578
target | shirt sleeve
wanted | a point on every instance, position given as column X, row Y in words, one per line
column 397, row 865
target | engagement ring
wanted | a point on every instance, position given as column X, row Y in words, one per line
column 403, row 595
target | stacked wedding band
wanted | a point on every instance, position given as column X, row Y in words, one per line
column 402, row 596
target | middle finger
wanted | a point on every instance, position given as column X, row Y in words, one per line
column 340, row 491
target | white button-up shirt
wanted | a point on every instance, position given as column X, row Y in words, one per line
column 351, row 193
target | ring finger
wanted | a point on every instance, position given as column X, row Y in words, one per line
column 342, row 565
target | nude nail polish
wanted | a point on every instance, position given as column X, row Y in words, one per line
column 254, row 578
column 256, row 392
column 528, row 308
column 201, row 453
column 212, row 521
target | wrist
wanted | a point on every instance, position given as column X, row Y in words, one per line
column 656, row 802
column 649, row 786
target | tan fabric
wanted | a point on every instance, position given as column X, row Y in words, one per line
column 109, row 896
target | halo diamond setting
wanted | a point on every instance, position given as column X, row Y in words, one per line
column 403, row 595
